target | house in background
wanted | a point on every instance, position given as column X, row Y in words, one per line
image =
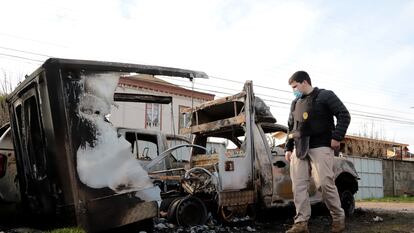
column 374, row 148
column 164, row 117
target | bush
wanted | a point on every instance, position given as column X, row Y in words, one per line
column 4, row 113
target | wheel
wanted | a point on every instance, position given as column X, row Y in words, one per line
column 347, row 202
column 191, row 211
column 166, row 202
column 172, row 209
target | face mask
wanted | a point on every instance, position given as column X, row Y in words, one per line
column 297, row 93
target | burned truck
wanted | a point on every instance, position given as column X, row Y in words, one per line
column 236, row 168
column 72, row 165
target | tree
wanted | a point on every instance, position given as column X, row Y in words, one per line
column 4, row 113
column 7, row 86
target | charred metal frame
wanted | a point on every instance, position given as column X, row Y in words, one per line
column 270, row 181
column 141, row 98
column 61, row 194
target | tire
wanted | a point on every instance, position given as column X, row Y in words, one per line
column 347, row 202
column 191, row 211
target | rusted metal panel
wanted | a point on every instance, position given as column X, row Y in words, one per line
column 204, row 160
column 249, row 110
column 234, row 198
column 264, row 165
column 240, row 175
column 215, row 125
column 237, row 97
column 132, row 209
column 174, row 178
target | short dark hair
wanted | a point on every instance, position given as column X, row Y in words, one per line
column 300, row 76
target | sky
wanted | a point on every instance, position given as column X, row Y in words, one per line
column 362, row 50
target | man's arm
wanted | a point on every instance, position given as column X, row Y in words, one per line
column 289, row 141
column 343, row 118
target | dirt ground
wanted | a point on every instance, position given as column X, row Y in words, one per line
column 369, row 217
column 375, row 217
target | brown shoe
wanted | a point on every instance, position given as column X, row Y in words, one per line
column 338, row 226
column 299, row 227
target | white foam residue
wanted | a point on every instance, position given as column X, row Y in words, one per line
column 109, row 162
column 102, row 86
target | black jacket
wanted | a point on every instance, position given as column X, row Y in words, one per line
column 321, row 128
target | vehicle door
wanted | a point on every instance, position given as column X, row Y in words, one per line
column 31, row 150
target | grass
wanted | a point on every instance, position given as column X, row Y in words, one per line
column 391, row 199
column 68, row 230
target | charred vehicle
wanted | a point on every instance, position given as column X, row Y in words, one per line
column 148, row 145
column 251, row 174
column 9, row 189
column 72, row 165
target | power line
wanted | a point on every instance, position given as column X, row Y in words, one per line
column 387, row 109
column 261, row 94
column 381, row 116
column 376, row 91
column 30, row 39
column 270, row 88
column 288, row 103
column 214, row 77
column 353, row 112
column 275, row 89
column 202, row 89
column 410, row 123
column 23, row 51
column 344, row 80
column 236, row 90
column 229, row 80
column 19, row 57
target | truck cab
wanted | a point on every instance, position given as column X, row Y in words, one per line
column 248, row 171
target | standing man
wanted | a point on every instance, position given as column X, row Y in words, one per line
column 312, row 140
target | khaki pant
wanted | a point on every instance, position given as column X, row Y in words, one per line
column 319, row 163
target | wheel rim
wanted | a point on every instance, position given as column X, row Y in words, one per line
column 191, row 211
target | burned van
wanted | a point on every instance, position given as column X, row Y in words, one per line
column 71, row 163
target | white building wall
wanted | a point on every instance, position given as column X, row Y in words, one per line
column 132, row 115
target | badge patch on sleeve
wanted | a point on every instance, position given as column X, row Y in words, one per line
column 305, row 115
